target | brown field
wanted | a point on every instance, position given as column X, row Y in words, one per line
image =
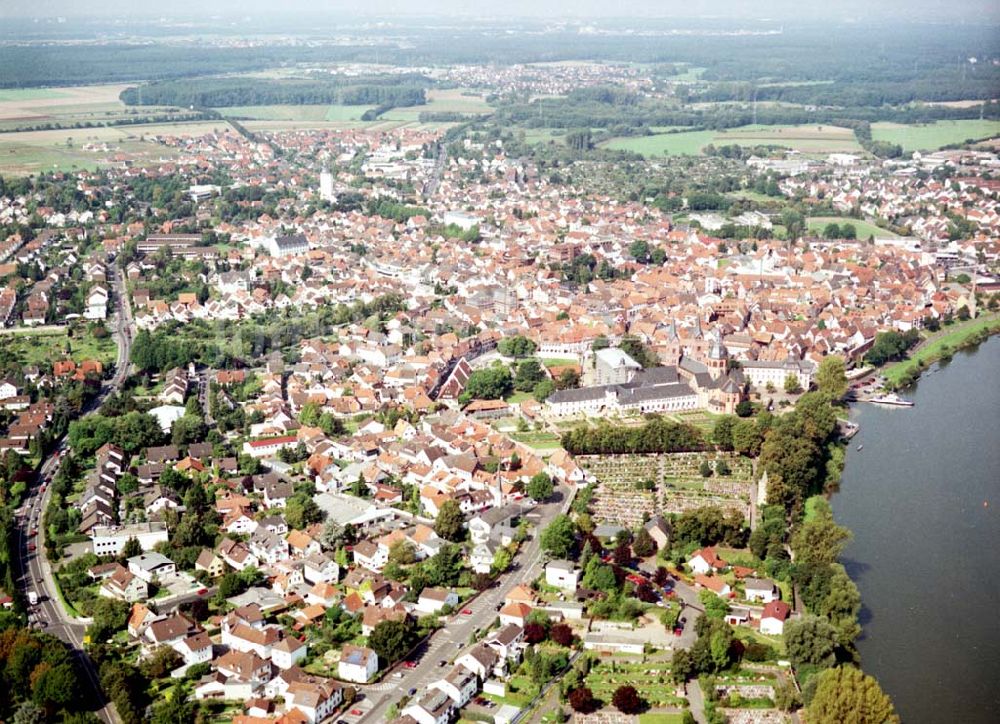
column 98, row 105
column 955, row 104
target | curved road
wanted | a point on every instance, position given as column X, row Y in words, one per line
column 35, row 572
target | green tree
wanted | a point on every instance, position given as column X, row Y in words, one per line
column 722, row 432
column 643, row 544
column 392, row 640
column 450, row 522
column 846, row 695
column 831, row 379
column 747, row 438
column 543, row 390
column 132, row 548
column 568, row 379
column 792, row 386
column 842, row 605
column 810, row 640
column 540, row 487
column 173, row 707
column 402, row 553
column 559, row 536
column 109, row 617
column 819, row 540
column 493, row 383
column 517, row 346
column 55, row 687
column 529, row 374
column 301, row 510
column 599, row 576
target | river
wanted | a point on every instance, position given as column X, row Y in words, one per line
column 923, row 501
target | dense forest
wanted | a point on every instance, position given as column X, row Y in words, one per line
column 628, row 116
column 904, row 56
column 405, row 90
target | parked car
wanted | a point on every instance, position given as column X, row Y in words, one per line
column 466, row 611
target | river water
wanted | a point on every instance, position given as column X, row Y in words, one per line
column 923, row 501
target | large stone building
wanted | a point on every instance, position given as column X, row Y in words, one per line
column 690, row 384
column 612, row 366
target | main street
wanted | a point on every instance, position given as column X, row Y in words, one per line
column 446, row 643
column 35, row 571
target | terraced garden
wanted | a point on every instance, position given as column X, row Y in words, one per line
column 634, row 485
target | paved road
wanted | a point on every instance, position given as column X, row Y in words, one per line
column 430, row 188
column 696, row 699
column 35, row 572
column 691, row 608
column 447, row 642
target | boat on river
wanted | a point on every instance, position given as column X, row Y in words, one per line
column 891, row 399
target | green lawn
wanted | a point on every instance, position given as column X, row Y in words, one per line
column 864, row 229
column 658, row 718
column 557, row 362
column 36, row 348
column 544, row 135
column 689, row 143
column 805, row 138
column 932, row 136
column 538, row 440
column 29, row 94
column 952, row 337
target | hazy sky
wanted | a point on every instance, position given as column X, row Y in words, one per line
column 909, row 10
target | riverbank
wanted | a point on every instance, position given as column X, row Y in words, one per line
column 940, row 345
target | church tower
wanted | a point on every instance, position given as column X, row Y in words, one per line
column 718, row 356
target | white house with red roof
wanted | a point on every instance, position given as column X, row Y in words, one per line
column 772, row 620
column 705, row 560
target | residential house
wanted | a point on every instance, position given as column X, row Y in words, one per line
column 151, row 566
column 433, row 600
column 211, row 562
column 772, row 619
column 357, row 663
column 704, row 560
column 760, row 589
column 562, row 574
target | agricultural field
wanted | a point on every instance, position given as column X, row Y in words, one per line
column 806, row 139
column 688, row 143
column 864, row 228
column 97, row 105
column 28, row 152
column 932, row 136
column 633, row 485
column 452, row 100
column 295, row 113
